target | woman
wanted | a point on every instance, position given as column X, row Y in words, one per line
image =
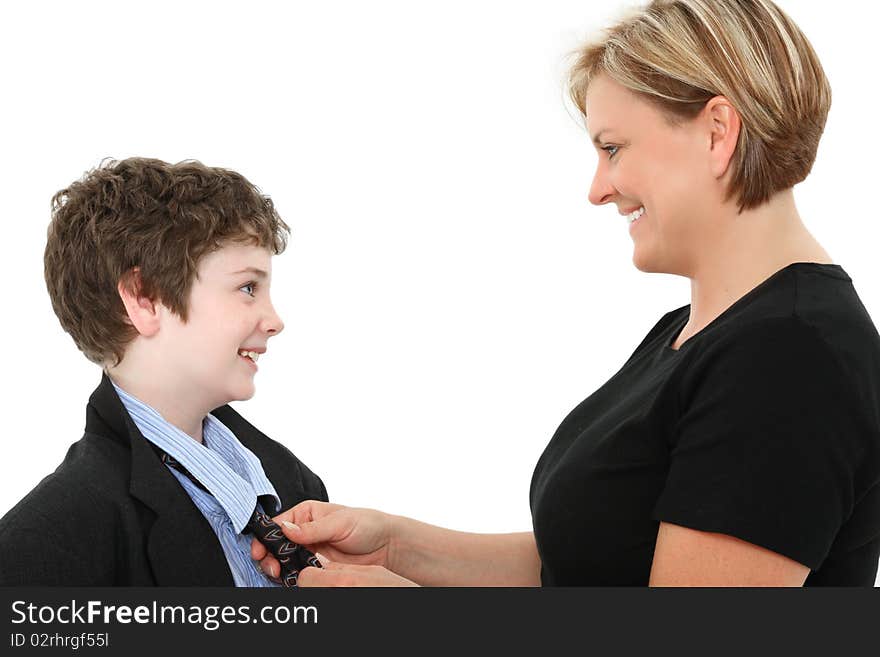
column 740, row 443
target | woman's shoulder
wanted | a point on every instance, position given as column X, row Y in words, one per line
column 831, row 342
column 801, row 303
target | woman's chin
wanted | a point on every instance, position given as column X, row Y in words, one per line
column 641, row 260
column 645, row 262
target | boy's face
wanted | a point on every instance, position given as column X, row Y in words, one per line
column 229, row 310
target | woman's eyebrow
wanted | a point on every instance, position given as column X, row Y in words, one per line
column 598, row 136
column 259, row 273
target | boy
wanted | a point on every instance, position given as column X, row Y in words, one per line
column 160, row 273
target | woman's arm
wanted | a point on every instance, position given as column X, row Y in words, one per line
column 434, row 556
column 363, row 545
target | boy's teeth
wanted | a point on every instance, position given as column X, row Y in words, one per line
column 253, row 355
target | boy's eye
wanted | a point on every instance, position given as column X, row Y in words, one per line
column 252, row 285
column 608, row 150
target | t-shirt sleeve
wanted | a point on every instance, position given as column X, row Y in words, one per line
column 767, row 443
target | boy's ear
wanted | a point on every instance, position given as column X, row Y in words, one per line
column 143, row 312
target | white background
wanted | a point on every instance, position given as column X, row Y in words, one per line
column 449, row 292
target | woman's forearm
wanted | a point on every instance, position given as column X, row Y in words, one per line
column 434, row 556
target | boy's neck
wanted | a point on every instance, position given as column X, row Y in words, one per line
column 173, row 405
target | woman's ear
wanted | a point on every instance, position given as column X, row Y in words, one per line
column 723, row 124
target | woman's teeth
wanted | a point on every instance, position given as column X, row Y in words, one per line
column 253, row 355
column 632, row 216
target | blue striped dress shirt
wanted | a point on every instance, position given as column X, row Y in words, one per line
column 228, row 469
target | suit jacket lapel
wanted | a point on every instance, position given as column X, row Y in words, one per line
column 182, row 548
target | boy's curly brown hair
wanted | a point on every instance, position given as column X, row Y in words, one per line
column 161, row 218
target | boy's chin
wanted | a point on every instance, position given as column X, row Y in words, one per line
column 242, row 394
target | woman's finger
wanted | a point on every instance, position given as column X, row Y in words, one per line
column 309, row 511
column 258, row 550
column 270, row 566
column 332, row 574
column 328, row 529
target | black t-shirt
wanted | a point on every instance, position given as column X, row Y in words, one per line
column 765, row 426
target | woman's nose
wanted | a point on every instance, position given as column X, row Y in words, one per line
column 601, row 189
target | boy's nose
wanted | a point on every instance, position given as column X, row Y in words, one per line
column 273, row 324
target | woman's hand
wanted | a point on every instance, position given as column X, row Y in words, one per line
column 340, row 574
column 342, row 535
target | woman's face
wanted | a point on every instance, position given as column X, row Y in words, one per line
column 644, row 162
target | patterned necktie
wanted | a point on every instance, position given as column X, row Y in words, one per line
column 292, row 557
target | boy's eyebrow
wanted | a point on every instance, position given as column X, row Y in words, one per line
column 259, row 273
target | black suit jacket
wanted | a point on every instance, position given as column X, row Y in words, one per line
column 113, row 515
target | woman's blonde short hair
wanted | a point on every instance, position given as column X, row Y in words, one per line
column 678, row 54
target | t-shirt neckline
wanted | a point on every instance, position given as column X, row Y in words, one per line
column 833, row 270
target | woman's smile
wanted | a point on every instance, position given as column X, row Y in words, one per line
column 633, row 224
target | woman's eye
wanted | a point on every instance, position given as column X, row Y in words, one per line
column 608, row 149
column 251, row 285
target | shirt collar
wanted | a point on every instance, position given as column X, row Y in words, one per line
column 226, row 468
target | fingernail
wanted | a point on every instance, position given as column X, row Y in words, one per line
column 290, row 525
column 324, row 560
